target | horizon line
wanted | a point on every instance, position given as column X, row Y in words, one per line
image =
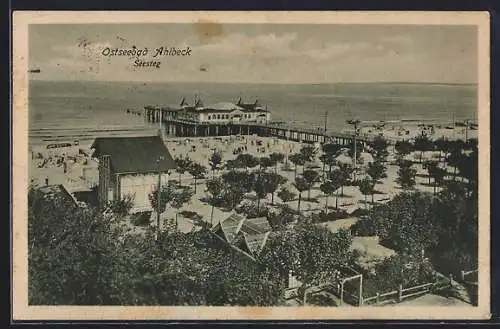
column 265, row 82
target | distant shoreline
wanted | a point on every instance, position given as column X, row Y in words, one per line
column 450, row 84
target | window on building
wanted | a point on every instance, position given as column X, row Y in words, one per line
column 209, row 117
column 227, row 116
column 218, row 116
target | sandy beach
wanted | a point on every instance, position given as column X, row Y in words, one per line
column 74, row 168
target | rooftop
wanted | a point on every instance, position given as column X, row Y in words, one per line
column 247, row 234
column 134, row 154
column 58, row 191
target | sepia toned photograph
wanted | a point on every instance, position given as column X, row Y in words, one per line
column 250, row 166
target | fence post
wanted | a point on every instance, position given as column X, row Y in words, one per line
column 462, row 275
column 361, row 290
column 400, row 293
column 378, row 298
column 342, row 292
column 451, row 280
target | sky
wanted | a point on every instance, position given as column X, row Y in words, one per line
column 258, row 53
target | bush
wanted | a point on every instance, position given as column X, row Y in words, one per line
column 286, row 195
column 331, row 216
column 360, row 212
column 364, row 227
column 120, row 208
column 321, row 300
column 249, row 209
column 284, row 217
column 141, row 218
column 286, row 167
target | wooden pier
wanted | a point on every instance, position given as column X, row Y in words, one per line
column 174, row 126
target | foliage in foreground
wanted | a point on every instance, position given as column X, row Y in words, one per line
column 78, row 257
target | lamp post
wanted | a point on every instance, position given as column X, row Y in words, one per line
column 466, row 129
column 355, row 123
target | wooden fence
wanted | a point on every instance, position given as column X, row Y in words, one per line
column 399, row 295
column 469, row 276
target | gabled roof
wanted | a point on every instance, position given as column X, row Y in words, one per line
column 231, row 226
column 248, row 235
column 223, row 106
column 250, row 106
column 134, row 154
column 256, row 226
column 58, row 191
column 256, row 242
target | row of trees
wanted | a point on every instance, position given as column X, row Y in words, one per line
column 78, row 257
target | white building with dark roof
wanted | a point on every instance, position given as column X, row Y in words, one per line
column 131, row 166
column 221, row 112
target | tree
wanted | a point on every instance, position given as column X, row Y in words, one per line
column 438, row 174
column 311, row 177
column 286, row 195
column 275, row 159
column 297, row 251
column 406, row 175
column 403, row 148
column 407, row 223
column 183, row 165
column 248, row 160
column 272, row 182
column 329, row 157
column 376, row 170
column 198, row 171
column 328, row 188
column 181, row 197
column 454, row 158
column 336, row 179
column 238, row 183
column 344, row 174
column 265, row 162
column 74, row 254
column 329, row 160
column 443, row 145
column 120, row 208
column 331, row 148
column 360, row 146
column 260, row 189
column 308, row 152
column 215, row 161
column 298, row 160
column 366, row 187
column 317, row 268
column 468, row 168
column 379, row 148
column 301, row 185
column 161, row 197
column 233, row 285
column 430, row 166
column 78, row 257
column 169, row 195
column 423, row 143
column 402, row 270
column 215, row 187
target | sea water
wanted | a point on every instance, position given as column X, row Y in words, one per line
column 86, row 109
